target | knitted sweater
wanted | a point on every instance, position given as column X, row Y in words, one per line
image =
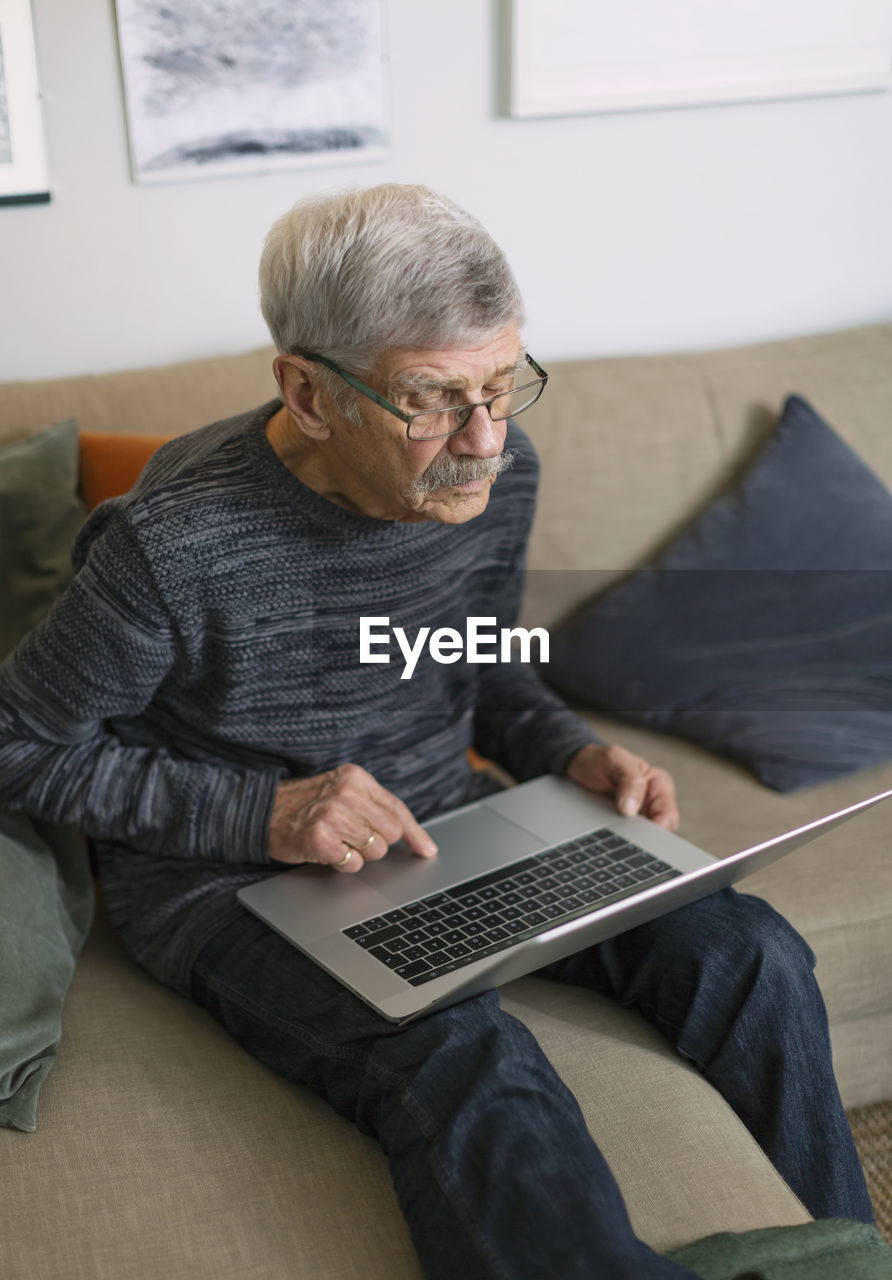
column 208, row 648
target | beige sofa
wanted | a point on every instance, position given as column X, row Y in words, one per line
column 163, row 1150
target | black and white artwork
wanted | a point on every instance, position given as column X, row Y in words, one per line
column 219, row 87
column 23, row 175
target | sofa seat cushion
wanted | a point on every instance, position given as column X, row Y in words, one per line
column 165, row 1149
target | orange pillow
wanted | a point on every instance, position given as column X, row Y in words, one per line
column 111, row 463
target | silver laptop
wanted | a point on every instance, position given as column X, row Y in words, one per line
column 521, row 879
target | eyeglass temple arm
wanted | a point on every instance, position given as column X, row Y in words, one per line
column 357, row 385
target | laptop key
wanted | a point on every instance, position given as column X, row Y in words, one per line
column 435, row 928
column 514, row 926
column 452, row 936
column 437, row 900
column 573, row 902
column 553, row 912
column 380, row 936
column 414, row 970
column 387, row 957
column 458, row 950
column 415, row 953
column 468, row 900
column 415, row 908
column 414, row 936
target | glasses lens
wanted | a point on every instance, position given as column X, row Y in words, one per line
column 439, row 422
column 514, row 402
column 444, row 422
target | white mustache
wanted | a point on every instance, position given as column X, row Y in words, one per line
column 449, row 471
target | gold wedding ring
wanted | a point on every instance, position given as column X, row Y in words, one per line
column 351, row 850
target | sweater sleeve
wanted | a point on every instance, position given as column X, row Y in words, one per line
column 525, row 727
column 98, row 657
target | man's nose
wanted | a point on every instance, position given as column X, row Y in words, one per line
column 479, row 436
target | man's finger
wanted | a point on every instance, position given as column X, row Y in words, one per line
column 660, row 804
column 631, row 782
column 350, row 861
column 629, row 799
column 409, row 830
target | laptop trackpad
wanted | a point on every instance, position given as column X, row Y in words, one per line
column 470, row 842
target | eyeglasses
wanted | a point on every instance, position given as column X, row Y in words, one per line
column 433, row 424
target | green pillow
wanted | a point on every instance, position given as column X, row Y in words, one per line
column 832, row 1249
column 47, row 893
column 40, row 514
column 46, row 909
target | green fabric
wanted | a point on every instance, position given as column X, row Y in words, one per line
column 40, row 513
column 46, row 890
column 833, row 1249
column 46, row 908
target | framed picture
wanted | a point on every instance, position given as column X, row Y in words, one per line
column 23, row 174
column 575, row 56
column 225, row 87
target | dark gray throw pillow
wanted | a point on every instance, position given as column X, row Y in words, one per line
column 765, row 631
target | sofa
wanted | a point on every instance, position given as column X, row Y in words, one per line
column 162, row 1149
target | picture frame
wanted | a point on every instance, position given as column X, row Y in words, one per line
column 569, row 57
column 226, row 88
column 23, row 165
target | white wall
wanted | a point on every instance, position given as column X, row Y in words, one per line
column 629, row 233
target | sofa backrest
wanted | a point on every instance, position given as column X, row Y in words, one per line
column 631, row 447
column 157, row 401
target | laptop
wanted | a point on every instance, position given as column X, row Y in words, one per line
column 522, row 878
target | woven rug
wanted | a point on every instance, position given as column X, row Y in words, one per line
column 872, row 1127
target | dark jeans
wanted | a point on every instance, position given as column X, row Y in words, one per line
column 491, row 1159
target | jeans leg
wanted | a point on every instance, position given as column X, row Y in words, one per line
column 731, row 984
column 490, row 1156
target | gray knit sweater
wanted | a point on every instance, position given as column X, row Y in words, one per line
column 209, row 647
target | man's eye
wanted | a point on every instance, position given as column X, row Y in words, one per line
column 437, row 400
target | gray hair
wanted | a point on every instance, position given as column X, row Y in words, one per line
column 351, row 275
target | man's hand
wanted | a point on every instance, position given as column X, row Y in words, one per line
column 638, row 787
column 343, row 818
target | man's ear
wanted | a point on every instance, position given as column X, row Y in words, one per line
column 302, row 395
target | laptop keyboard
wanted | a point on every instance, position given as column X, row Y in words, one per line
column 487, row 914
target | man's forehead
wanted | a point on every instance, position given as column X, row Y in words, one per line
column 453, row 368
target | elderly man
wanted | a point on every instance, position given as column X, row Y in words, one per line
column 195, row 702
